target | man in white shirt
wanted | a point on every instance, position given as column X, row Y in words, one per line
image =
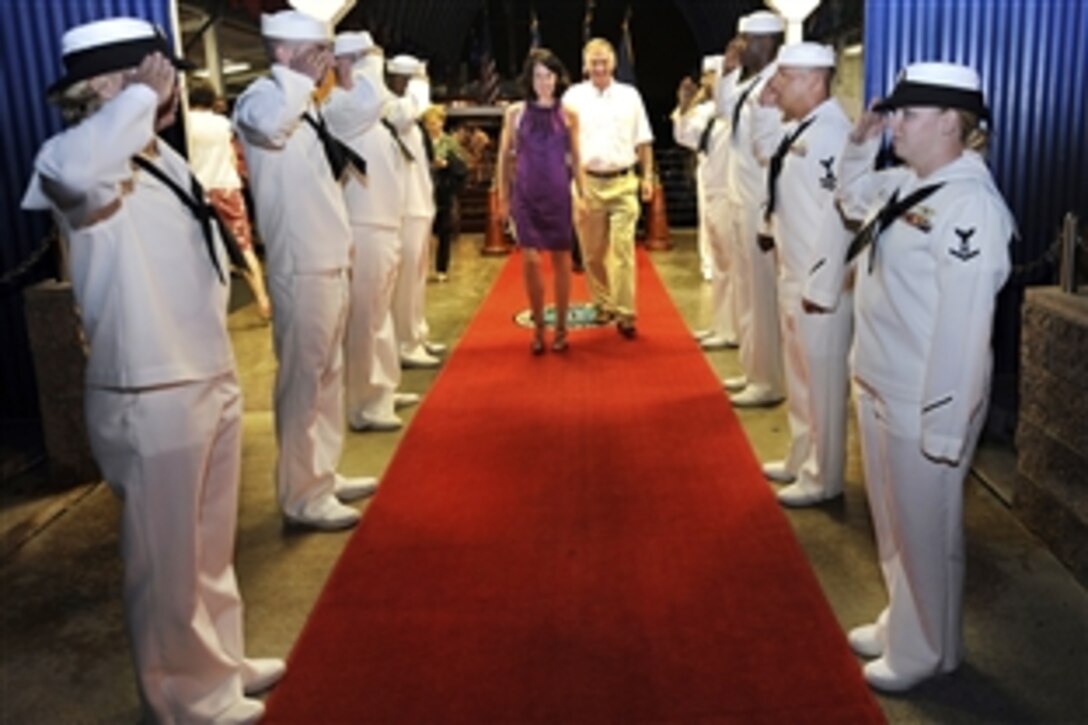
column 762, row 383
column 407, row 79
column 374, row 202
column 211, row 154
column 300, row 211
column 163, row 404
column 615, row 135
column 697, row 126
column 802, row 180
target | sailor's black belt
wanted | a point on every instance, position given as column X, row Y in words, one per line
column 609, row 174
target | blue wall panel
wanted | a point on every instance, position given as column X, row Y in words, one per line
column 1033, row 59
column 30, row 32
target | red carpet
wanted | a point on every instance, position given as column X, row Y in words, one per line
column 577, row 537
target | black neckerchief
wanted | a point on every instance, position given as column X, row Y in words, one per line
column 404, row 150
column 740, row 104
column 204, row 213
column 338, row 153
column 778, row 160
column 891, row 211
column 704, row 137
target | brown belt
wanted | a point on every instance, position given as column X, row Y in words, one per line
column 609, row 174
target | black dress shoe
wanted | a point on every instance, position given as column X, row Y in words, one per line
column 626, row 328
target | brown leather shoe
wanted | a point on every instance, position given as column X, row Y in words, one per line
column 603, row 316
column 627, row 328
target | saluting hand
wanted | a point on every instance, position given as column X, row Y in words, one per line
column 870, row 124
column 157, row 73
column 313, row 62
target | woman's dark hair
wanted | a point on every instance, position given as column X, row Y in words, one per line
column 549, row 60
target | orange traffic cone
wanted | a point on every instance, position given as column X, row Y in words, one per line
column 495, row 241
column 657, row 224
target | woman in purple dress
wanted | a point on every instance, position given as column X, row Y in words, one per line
column 538, row 159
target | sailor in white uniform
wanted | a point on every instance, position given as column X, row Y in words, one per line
column 697, row 126
column 761, row 33
column 412, row 90
column 374, row 200
column 301, row 215
column 802, row 179
column 933, row 258
column 163, row 404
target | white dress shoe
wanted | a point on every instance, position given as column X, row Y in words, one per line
column 754, row 396
column 419, row 359
column 242, row 712
column 351, row 489
column 798, row 495
column 405, row 400
column 361, row 423
column 883, row 678
column 435, row 348
column 701, row 334
column 735, row 383
column 777, row 471
column 717, row 342
column 865, row 641
column 261, row 673
column 325, row 514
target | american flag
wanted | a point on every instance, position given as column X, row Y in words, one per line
column 625, row 63
column 534, row 31
column 489, row 76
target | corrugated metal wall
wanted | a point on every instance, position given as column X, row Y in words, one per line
column 1033, row 59
column 30, row 32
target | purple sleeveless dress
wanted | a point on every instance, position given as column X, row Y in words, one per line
column 541, row 203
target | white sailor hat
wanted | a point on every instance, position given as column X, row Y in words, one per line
column 806, row 55
column 945, row 85
column 113, row 44
column 404, row 65
column 293, row 25
column 712, row 63
column 353, row 42
column 761, row 22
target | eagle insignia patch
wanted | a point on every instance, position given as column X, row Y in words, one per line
column 829, row 180
column 964, row 252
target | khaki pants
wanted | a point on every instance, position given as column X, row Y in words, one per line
column 606, row 219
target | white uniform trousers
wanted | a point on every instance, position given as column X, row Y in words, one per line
column 309, row 318
column 706, row 259
column 371, row 359
column 606, row 220
column 410, row 297
column 815, row 348
column 172, row 454
column 757, row 309
column 917, row 509
column 723, row 304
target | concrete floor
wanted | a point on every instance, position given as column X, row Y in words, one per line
column 63, row 654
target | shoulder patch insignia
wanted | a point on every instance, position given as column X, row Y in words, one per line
column 921, row 218
column 964, row 251
column 829, row 180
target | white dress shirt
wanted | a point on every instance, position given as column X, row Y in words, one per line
column 299, row 206
column 924, row 314
column 611, row 123
column 153, row 313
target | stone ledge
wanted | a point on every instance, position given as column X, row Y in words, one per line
column 56, row 344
